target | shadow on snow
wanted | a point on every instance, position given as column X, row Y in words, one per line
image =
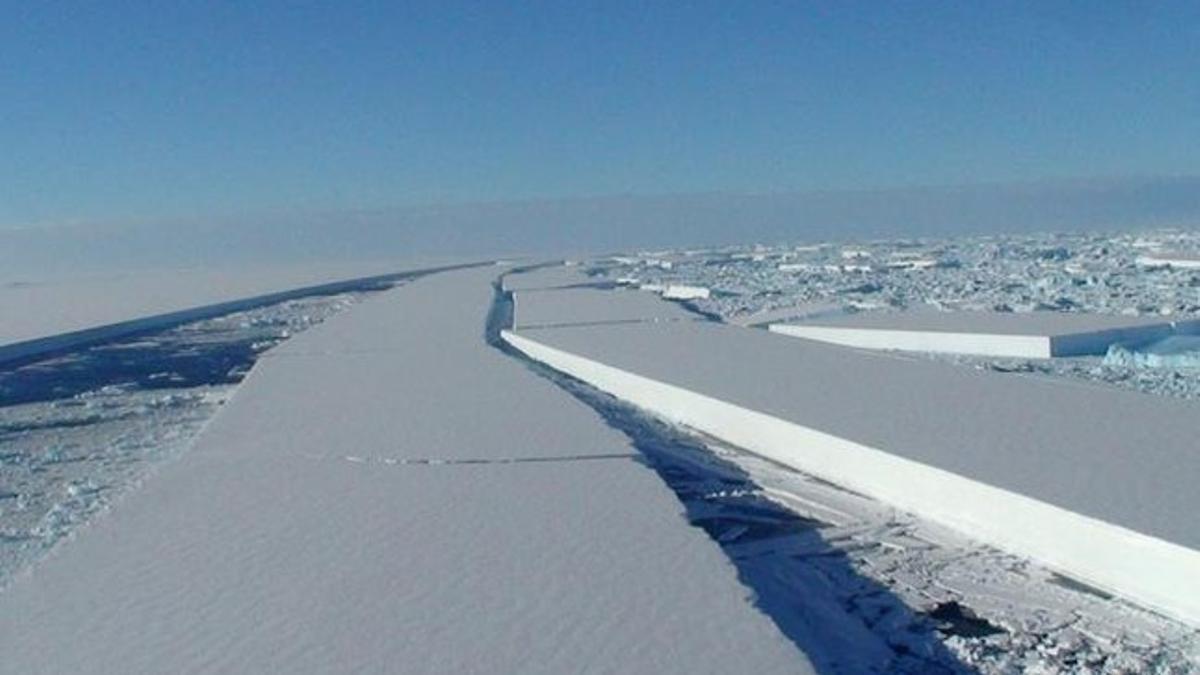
column 845, row 622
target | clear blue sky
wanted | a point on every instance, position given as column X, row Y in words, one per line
column 115, row 110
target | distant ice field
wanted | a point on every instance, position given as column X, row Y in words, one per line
column 1059, row 280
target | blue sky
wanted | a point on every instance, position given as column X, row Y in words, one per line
column 120, row 110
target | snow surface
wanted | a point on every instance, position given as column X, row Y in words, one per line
column 1004, row 613
column 34, row 310
column 993, row 432
column 679, row 292
column 589, row 305
column 546, row 277
column 78, row 430
column 1016, row 616
column 386, row 493
column 1006, row 334
column 990, row 428
column 1043, row 323
column 937, row 342
column 1181, row 261
column 1091, row 273
column 1138, row 565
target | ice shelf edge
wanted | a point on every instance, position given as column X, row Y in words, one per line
column 1147, row 570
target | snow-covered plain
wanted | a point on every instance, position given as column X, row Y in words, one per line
column 534, row 308
column 1112, row 503
column 1034, row 335
column 50, row 315
column 79, row 430
column 339, row 468
column 1092, row 632
column 388, row 493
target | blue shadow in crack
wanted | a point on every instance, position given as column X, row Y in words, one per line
column 843, row 621
column 208, row 351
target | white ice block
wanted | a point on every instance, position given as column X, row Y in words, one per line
column 1094, row 482
column 588, row 305
column 1037, row 335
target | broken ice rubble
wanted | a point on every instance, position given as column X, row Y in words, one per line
column 1175, row 352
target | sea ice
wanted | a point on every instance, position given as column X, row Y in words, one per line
column 77, row 431
column 1095, row 273
column 1174, row 352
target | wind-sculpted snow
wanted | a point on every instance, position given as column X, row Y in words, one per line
column 544, row 308
column 398, row 490
column 50, row 317
column 550, row 275
column 388, row 493
column 79, row 430
column 1034, row 335
column 989, row 428
column 997, row 611
column 845, row 621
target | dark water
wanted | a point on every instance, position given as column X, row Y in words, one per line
column 79, row 427
column 208, row 352
column 845, row 622
column 178, row 358
column 150, row 364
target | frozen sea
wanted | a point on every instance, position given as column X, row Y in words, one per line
column 860, row 586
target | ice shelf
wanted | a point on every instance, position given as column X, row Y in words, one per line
column 1004, row 334
column 387, row 493
column 549, row 276
column 588, row 305
column 51, row 316
column 1097, row 483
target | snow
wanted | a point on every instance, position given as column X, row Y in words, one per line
column 1182, row 261
column 589, row 305
column 386, row 492
column 1030, row 617
column 1006, row 334
column 1110, row 504
column 803, row 311
column 79, row 430
column 681, row 292
column 1090, row 274
column 1065, row 509
column 981, row 424
column 343, row 467
column 549, row 276
column 110, row 305
column 1028, row 346
column 1044, row 323
column 1094, row 273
